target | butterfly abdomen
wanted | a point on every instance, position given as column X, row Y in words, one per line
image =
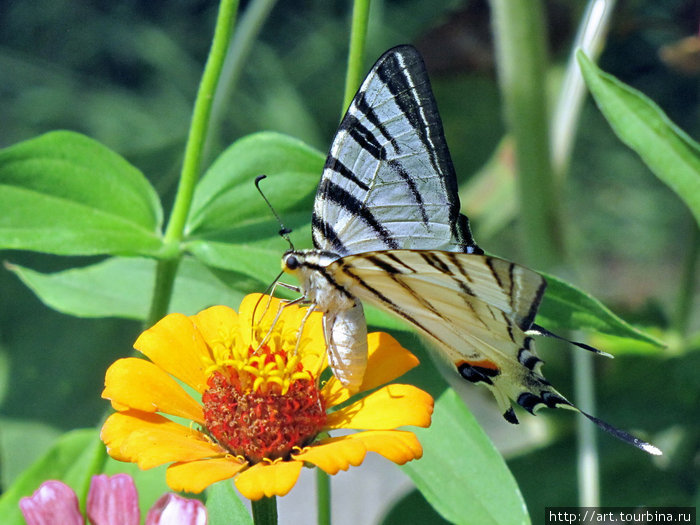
column 344, row 324
column 346, row 333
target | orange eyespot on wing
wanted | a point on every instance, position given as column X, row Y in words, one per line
column 478, row 371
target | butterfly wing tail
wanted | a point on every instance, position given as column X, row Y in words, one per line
column 533, row 392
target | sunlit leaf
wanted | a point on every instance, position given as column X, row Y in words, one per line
column 224, row 506
column 73, row 460
column 226, row 197
column 665, row 148
column 461, row 474
column 566, row 307
column 66, row 194
column 122, row 287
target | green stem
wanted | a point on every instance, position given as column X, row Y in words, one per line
column 323, row 495
column 265, row 511
column 247, row 30
column 522, row 64
column 591, row 35
column 591, row 38
column 166, row 270
column 200, row 120
column 587, row 454
column 167, row 267
column 684, row 301
column 358, row 35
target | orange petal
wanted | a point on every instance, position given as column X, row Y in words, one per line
column 176, row 346
column 334, row 454
column 216, row 323
column 151, row 440
column 393, row 406
column 141, row 385
column 387, row 360
column 265, row 309
column 268, row 479
column 398, row 446
column 195, row 476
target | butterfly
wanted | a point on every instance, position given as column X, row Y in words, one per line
column 387, row 230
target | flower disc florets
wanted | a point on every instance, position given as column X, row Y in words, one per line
column 263, row 406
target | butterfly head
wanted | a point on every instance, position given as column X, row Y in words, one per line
column 292, row 261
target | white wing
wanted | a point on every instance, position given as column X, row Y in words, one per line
column 388, row 181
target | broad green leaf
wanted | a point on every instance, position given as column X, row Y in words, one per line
column 66, row 194
column 73, row 459
column 122, row 287
column 253, row 249
column 566, row 307
column 226, row 197
column 224, row 506
column 231, row 227
column 412, row 508
column 666, row 149
column 32, row 437
column 461, row 474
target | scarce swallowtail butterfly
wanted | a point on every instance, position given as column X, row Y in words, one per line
column 387, row 229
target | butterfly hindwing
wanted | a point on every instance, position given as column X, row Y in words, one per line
column 474, row 309
column 388, row 181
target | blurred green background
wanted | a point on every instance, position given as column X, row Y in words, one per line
column 125, row 73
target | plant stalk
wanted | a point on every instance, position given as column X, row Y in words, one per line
column 247, row 30
column 265, row 511
column 519, row 33
column 358, row 36
column 323, row 495
column 167, row 266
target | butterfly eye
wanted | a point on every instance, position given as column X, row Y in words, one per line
column 291, row 262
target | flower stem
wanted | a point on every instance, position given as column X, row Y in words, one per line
column 247, row 30
column 323, row 495
column 265, row 511
column 591, row 38
column 519, row 33
column 684, row 301
column 167, row 266
column 358, row 35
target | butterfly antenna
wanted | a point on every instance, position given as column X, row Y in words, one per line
column 284, row 231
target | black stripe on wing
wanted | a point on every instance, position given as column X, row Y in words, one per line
column 341, row 169
column 327, row 190
column 403, row 71
column 323, row 233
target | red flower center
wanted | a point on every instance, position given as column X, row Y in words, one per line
column 262, row 422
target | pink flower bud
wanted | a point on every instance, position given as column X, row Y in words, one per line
column 53, row 502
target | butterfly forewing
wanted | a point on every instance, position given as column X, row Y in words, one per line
column 388, row 181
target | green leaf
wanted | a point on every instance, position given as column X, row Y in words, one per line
column 566, row 307
column 666, row 149
column 66, row 194
column 72, row 460
column 122, row 287
column 224, row 506
column 412, row 508
column 461, row 474
column 226, row 197
column 230, row 225
column 32, row 437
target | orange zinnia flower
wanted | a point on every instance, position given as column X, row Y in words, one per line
column 257, row 408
